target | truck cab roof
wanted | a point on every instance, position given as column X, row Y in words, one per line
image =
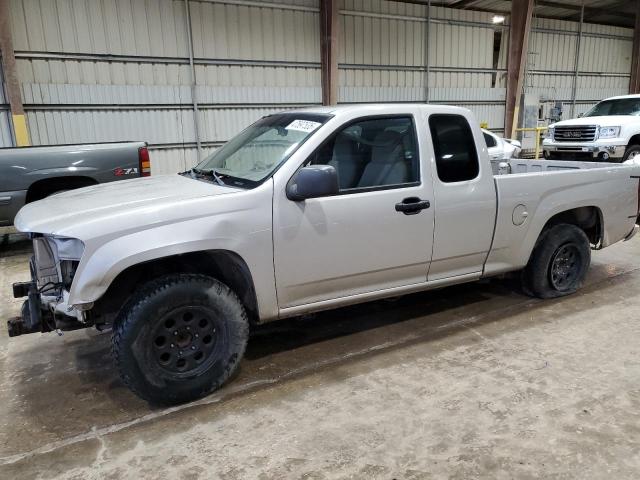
column 378, row 108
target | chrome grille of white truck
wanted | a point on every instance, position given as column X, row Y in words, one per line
column 575, row 133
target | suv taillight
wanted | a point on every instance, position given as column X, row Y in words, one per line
column 144, row 163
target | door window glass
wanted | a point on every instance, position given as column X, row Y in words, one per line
column 372, row 153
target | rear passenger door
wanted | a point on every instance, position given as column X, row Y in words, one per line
column 367, row 238
column 466, row 199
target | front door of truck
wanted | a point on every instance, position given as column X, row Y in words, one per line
column 365, row 238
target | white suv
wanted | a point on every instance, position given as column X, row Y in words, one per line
column 610, row 131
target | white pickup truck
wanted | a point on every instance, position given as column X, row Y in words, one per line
column 609, row 132
column 304, row 211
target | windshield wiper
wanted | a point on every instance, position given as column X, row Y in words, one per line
column 215, row 175
column 211, row 172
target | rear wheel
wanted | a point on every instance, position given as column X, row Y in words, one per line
column 559, row 262
column 180, row 338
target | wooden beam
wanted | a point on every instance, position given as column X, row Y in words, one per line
column 12, row 84
column 519, row 28
column 329, row 51
column 634, row 83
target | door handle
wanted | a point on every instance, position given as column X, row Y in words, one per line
column 412, row 205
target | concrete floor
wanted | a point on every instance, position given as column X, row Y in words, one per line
column 475, row 381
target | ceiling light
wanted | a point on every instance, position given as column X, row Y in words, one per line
column 498, row 19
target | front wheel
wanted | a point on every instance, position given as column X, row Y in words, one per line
column 632, row 153
column 180, row 338
column 558, row 263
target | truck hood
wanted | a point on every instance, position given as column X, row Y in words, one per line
column 140, row 200
column 604, row 121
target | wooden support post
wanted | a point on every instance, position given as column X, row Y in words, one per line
column 634, row 84
column 519, row 28
column 329, row 51
column 12, row 83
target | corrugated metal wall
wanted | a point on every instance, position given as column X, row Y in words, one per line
column 604, row 62
column 6, row 139
column 383, row 56
column 105, row 70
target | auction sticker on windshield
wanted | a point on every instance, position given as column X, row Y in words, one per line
column 306, row 126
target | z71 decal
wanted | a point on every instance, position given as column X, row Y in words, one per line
column 119, row 172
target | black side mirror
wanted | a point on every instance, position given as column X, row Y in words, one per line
column 312, row 182
column 580, row 115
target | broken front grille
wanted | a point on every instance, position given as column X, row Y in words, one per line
column 579, row 133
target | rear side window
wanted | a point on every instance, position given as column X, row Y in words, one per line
column 455, row 149
column 491, row 142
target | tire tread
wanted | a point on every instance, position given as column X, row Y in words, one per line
column 126, row 318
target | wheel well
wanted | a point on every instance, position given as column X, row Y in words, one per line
column 225, row 266
column 43, row 188
column 635, row 140
column 589, row 219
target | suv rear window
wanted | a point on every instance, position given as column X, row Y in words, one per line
column 491, row 142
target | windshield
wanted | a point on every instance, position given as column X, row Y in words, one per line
column 256, row 152
column 622, row 106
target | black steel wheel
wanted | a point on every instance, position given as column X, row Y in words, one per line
column 559, row 262
column 185, row 341
column 565, row 267
column 180, row 338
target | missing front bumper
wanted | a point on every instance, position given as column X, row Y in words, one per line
column 43, row 312
column 32, row 317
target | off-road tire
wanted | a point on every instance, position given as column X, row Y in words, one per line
column 541, row 278
column 148, row 349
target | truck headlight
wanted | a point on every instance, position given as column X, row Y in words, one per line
column 55, row 261
column 550, row 132
column 609, row 132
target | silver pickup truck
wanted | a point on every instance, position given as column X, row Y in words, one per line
column 33, row 173
column 304, row 211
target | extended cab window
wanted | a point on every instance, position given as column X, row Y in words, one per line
column 372, row 153
column 455, row 149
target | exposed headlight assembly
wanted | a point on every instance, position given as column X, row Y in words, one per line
column 609, row 132
column 55, row 260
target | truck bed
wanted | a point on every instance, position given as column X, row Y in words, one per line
column 531, row 191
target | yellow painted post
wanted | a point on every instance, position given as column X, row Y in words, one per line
column 538, row 131
column 20, row 130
